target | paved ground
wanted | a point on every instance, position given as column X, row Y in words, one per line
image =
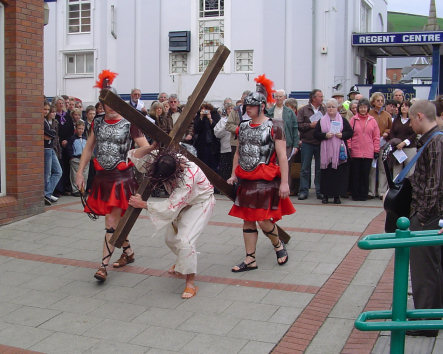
column 50, row 302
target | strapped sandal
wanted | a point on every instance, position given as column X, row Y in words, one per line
column 191, row 291
column 124, row 258
column 244, row 267
column 282, row 253
column 101, row 273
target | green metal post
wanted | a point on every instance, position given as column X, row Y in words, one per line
column 400, row 291
column 400, row 317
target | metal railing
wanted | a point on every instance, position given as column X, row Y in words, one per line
column 396, row 320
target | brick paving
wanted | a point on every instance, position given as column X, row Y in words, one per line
column 49, row 300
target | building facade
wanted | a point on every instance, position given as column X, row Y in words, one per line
column 300, row 45
column 21, row 104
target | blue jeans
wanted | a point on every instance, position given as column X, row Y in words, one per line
column 53, row 171
column 307, row 151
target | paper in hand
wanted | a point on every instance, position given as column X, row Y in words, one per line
column 316, row 117
column 335, row 127
column 400, row 155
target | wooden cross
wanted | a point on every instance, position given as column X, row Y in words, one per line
column 175, row 136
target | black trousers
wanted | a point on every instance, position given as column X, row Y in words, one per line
column 360, row 169
column 426, row 269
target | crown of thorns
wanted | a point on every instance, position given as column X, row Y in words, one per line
column 164, row 166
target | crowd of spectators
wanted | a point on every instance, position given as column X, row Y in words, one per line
column 344, row 138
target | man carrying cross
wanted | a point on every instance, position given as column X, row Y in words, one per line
column 183, row 216
column 126, row 223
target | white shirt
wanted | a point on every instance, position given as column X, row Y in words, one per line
column 224, row 136
column 278, row 112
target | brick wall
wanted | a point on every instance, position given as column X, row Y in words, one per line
column 394, row 75
column 23, row 109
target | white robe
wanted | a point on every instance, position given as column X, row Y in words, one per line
column 187, row 210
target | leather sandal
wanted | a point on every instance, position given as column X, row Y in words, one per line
column 101, row 273
column 124, row 260
column 281, row 253
column 191, row 291
column 244, row 267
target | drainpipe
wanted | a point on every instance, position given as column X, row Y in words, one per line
column 346, row 48
column 286, row 46
column 137, row 59
column 314, row 42
column 435, row 71
column 160, row 67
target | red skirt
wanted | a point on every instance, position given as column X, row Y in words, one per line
column 111, row 189
column 258, row 200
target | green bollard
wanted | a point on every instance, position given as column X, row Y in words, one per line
column 400, row 291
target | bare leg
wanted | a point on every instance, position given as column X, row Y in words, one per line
column 127, row 255
column 127, row 247
column 111, row 222
column 250, row 236
column 268, row 228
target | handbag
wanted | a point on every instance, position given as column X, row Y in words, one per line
column 399, row 195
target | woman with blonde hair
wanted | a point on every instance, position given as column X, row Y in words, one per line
column 384, row 122
column 158, row 114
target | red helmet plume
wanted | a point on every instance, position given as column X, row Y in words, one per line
column 267, row 85
column 105, row 79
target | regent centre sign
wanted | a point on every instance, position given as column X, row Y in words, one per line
column 399, row 38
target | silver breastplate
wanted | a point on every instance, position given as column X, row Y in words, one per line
column 255, row 145
column 113, row 142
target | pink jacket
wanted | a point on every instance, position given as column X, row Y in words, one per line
column 366, row 138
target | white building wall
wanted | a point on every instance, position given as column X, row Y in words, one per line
column 300, row 45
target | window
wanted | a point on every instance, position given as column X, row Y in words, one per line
column 212, row 8
column 178, row 63
column 211, row 30
column 244, row 61
column 210, row 37
column 365, row 17
column 80, row 63
column 79, row 16
column 2, row 105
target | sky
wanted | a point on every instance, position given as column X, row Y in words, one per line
column 418, row 7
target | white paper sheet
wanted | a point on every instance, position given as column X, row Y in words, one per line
column 316, row 117
column 400, row 155
column 335, row 127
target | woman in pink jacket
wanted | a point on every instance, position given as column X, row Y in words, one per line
column 364, row 146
